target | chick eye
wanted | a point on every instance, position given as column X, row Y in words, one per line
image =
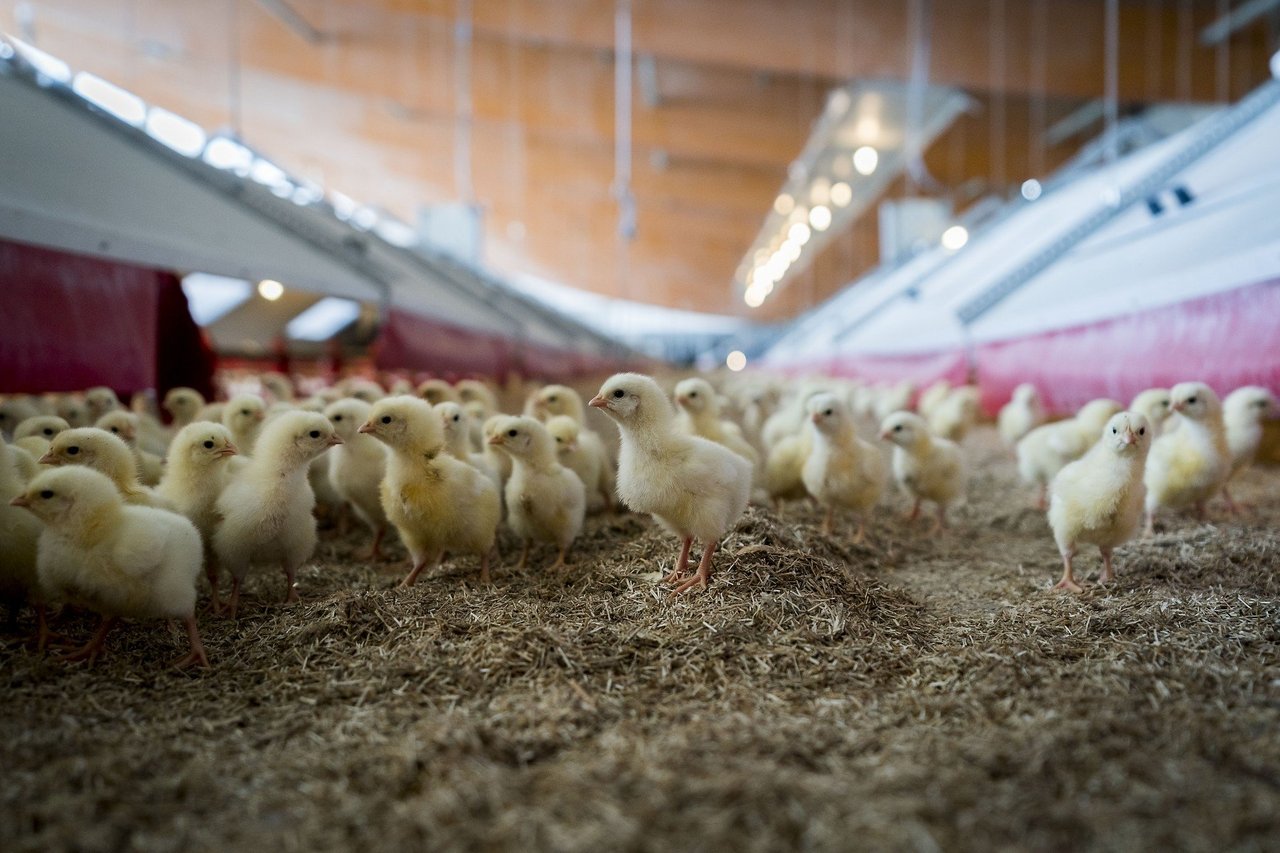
column 457, row 417
column 386, row 419
column 1191, row 399
column 551, row 399
column 208, row 445
column 46, row 494
column 48, row 431
column 72, row 451
column 693, row 393
column 828, row 412
column 1114, row 430
column 1142, row 430
column 315, row 433
column 115, row 430
column 898, row 428
column 337, row 417
column 619, row 394
column 244, row 411
column 513, row 433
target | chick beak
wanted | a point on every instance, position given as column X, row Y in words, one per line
column 1130, row 437
column 20, row 500
column 682, row 400
column 598, row 402
column 571, row 447
column 495, row 439
column 257, row 416
column 48, row 459
column 1178, row 406
column 884, row 435
column 366, row 428
column 229, row 450
column 816, row 418
column 334, row 441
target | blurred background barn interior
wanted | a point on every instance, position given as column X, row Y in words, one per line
column 1078, row 193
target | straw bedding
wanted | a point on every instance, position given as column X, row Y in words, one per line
column 913, row 694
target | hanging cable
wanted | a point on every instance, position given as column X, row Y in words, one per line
column 233, row 68
column 919, row 18
column 1111, row 93
column 462, row 103
column 996, row 76
column 622, row 139
column 1039, row 119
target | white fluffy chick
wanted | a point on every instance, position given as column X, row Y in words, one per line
column 546, row 501
column 494, row 458
column 19, row 531
column 564, row 431
column 117, row 560
column 357, row 466
column 927, row 468
column 896, row 398
column 700, row 415
column 72, row 409
column 1190, row 462
column 436, row 502
column 107, row 453
column 13, row 412
column 1243, row 413
column 198, row 470
column 101, row 400
column 843, row 471
column 790, row 417
column 437, row 391
column 1098, row 498
column 243, row 415
column 1156, row 405
column 266, row 508
column 34, row 435
column 457, row 441
column 475, row 391
column 954, row 415
column 784, row 466
column 1023, row 413
column 184, row 405
column 694, row 487
column 932, row 397
column 1046, row 449
column 552, row 400
column 125, row 424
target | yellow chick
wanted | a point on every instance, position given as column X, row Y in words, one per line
column 72, row 409
column 494, row 458
column 1098, row 498
column 790, row 418
column 23, row 462
column 266, row 508
column 100, row 400
column 1191, row 461
column 926, row 467
column 564, row 431
column 896, row 398
column 1046, row 449
column 457, row 441
column 124, row 424
column 699, row 414
column 117, row 560
column 546, row 501
column 694, row 487
column 184, row 405
column 19, row 531
column 1023, row 413
column 198, row 470
column 357, row 466
column 842, row 471
column 107, row 453
column 13, row 412
column 1243, row 413
column 475, row 391
column 436, row 502
column 34, row 435
column 365, row 390
column 244, row 415
column 211, row 412
column 955, row 414
column 476, row 414
column 784, row 466
column 553, row 400
column 1155, row 404
column 932, row 397
column 278, row 385
column 437, row 391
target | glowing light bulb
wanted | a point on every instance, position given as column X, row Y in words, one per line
column 865, row 160
column 1031, row 189
column 841, row 194
column 270, row 289
column 820, row 218
column 783, row 204
column 736, row 360
column 955, row 237
column 799, row 233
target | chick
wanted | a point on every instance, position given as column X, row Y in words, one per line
column 23, row 462
column 34, row 435
column 101, row 400
column 457, row 441
column 107, row 453
column 278, row 385
column 243, row 415
column 1098, row 498
column 357, row 466
column 496, row 459
column 1243, row 413
column 475, row 391
column 700, row 415
column 437, row 391
column 1043, row 451
column 893, row 399
column 13, row 412
column 555, row 400
column 477, row 413
column 266, row 508
column 72, row 409
column 365, row 390
column 1023, row 413
column 211, row 412
column 932, row 397
column 436, row 502
column 545, row 500
column 694, row 487
column 1155, row 404
column 789, row 419
column 564, row 430
column 116, row 560
column 842, row 471
column 784, row 466
column 926, row 467
column 183, row 404
column 198, row 470
column 125, row 424
column 954, row 415
column 1190, row 462
column 19, row 531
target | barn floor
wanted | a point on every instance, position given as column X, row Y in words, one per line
column 918, row 694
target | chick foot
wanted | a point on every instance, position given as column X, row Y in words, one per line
column 96, row 646
column 196, row 657
column 682, row 563
column 1068, row 582
column 701, row 578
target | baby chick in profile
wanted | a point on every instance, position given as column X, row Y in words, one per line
column 955, row 414
column 437, row 503
column 437, row 391
column 842, row 471
column 125, row 424
column 694, row 487
column 266, row 508
column 927, row 468
column 184, row 405
column 1046, row 449
column 72, row 409
column 100, row 400
column 198, row 469
column 19, row 531
column 35, row 434
column 357, row 466
column 699, row 414
column 107, row 453
column 545, row 500
column 14, row 411
column 564, row 431
column 1191, row 461
column 457, row 441
column 1156, row 405
column 1023, row 413
column 553, row 400
column 243, row 415
column 1098, row 499
column 1243, row 413
column 117, row 560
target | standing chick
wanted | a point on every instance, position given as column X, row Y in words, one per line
column 1243, row 412
column 243, row 415
column 13, row 412
column 102, row 451
column 100, row 400
column 926, row 468
column 564, row 430
column 955, row 414
column 436, row 502
column 1046, row 449
column 437, row 391
column 842, row 471
column 266, row 508
column 1098, row 498
column 457, row 440
column 545, row 500
column 34, row 435
column 1023, row 413
column 19, row 531
column 1189, row 463
column 116, row 560
column 1155, row 404
column 700, row 415
column 184, row 404
column 198, row 469
column 932, row 397
column 694, row 487
column 125, row 424
column 357, row 466
column 553, row 400
column 72, row 409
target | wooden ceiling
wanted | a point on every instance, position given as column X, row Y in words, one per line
column 725, row 94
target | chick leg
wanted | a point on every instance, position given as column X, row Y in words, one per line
column 682, row 564
column 375, row 552
column 91, row 650
column 290, row 583
column 1068, row 581
column 211, row 572
column 939, row 521
column 560, row 562
column 1231, row 505
column 1108, row 574
column 1042, row 499
column 484, row 569
column 702, row 577
column 524, row 555
column 915, row 511
column 829, row 521
column 196, row 656
column 421, row 563
column 861, row 535
column 1149, row 529
column 1201, row 513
